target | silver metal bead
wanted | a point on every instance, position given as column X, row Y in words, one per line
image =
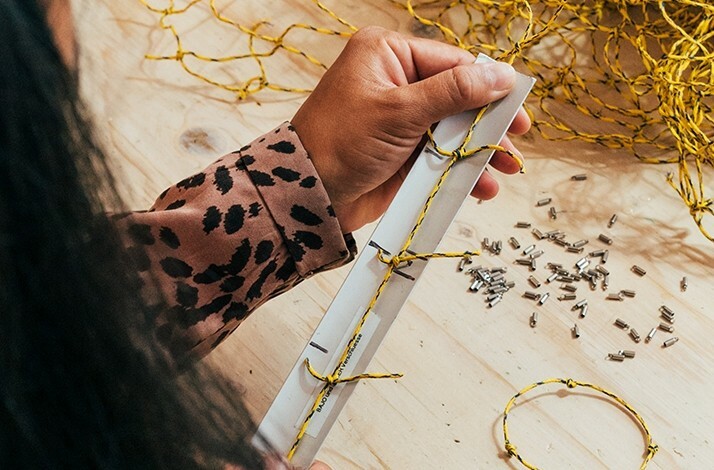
column 537, row 254
column 543, row 298
column 605, row 239
column 476, row 285
column 537, row 233
column 528, row 249
column 615, row 296
column 666, row 327
column 621, row 323
column 514, row 243
column 575, row 249
column 650, row 335
column 670, row 342
column 544, row 201
column 628, row 292
column 495, row 301
column 551, row 278
column 580, row 177
column 566, row 297
column 627, row 353
column 553, row 213
column 569, row 287
column 635, row 335
column 667, row 310
column 576, row 331
column 523, row 224
column 684, row 284
column 561, row 242
column 531, row 295
column 603, row 258
column 583, row 311
column 463, row 262
column 612, row 221
column 534, row 282
column 638, row 270
column 534, row 319
column 616, row 357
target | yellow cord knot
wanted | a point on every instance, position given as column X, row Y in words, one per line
column 334, row 378
column 457, row 154
column 700, row 206
column 571, row 383
column 653, row 448
column 511, row 449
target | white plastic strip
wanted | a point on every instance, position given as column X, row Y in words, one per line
column 295, row 399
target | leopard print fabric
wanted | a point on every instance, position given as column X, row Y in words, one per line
column 224, row 241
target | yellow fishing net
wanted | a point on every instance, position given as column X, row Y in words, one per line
column 641, row 72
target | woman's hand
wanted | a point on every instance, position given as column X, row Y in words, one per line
column 371, row 109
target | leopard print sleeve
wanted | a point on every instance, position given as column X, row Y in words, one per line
column 224, row 241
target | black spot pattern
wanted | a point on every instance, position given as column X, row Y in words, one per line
column 169, row 238
column 176, row 204
column 175, row 267
column 223, row 180
column 263, row 251
column 261, row 179
column 235, row 311
column 304, row 215
column 286, row 270
column 309, row 239
column 163, row 193
column 213, row 273
column 308, row 182
column 211, row 219
column 235, row 217
column 186, row 295
column 331, row 211
column 240, row 258
column 254, row 209
column 282, row 147
column 216, row 305
column 232, row 283
column 286, row 174
column 296, row 250
column 141, row 234
column 192, row 181
column 254, row 292
column 245, row 161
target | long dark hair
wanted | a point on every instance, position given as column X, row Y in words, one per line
column 83, row 384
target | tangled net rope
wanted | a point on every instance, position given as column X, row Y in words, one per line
column 640, row 72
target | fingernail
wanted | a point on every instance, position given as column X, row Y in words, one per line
column 502, row 75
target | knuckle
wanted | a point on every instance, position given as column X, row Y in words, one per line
column 369, row 34
column 463, row 85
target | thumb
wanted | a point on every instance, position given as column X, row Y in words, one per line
column 456, row 90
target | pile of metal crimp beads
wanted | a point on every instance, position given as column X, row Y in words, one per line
column 589, row 268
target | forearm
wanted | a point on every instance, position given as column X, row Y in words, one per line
column 224, row 241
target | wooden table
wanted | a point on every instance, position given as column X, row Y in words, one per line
column 462, row 361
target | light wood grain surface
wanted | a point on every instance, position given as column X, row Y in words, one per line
column 462, row 361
